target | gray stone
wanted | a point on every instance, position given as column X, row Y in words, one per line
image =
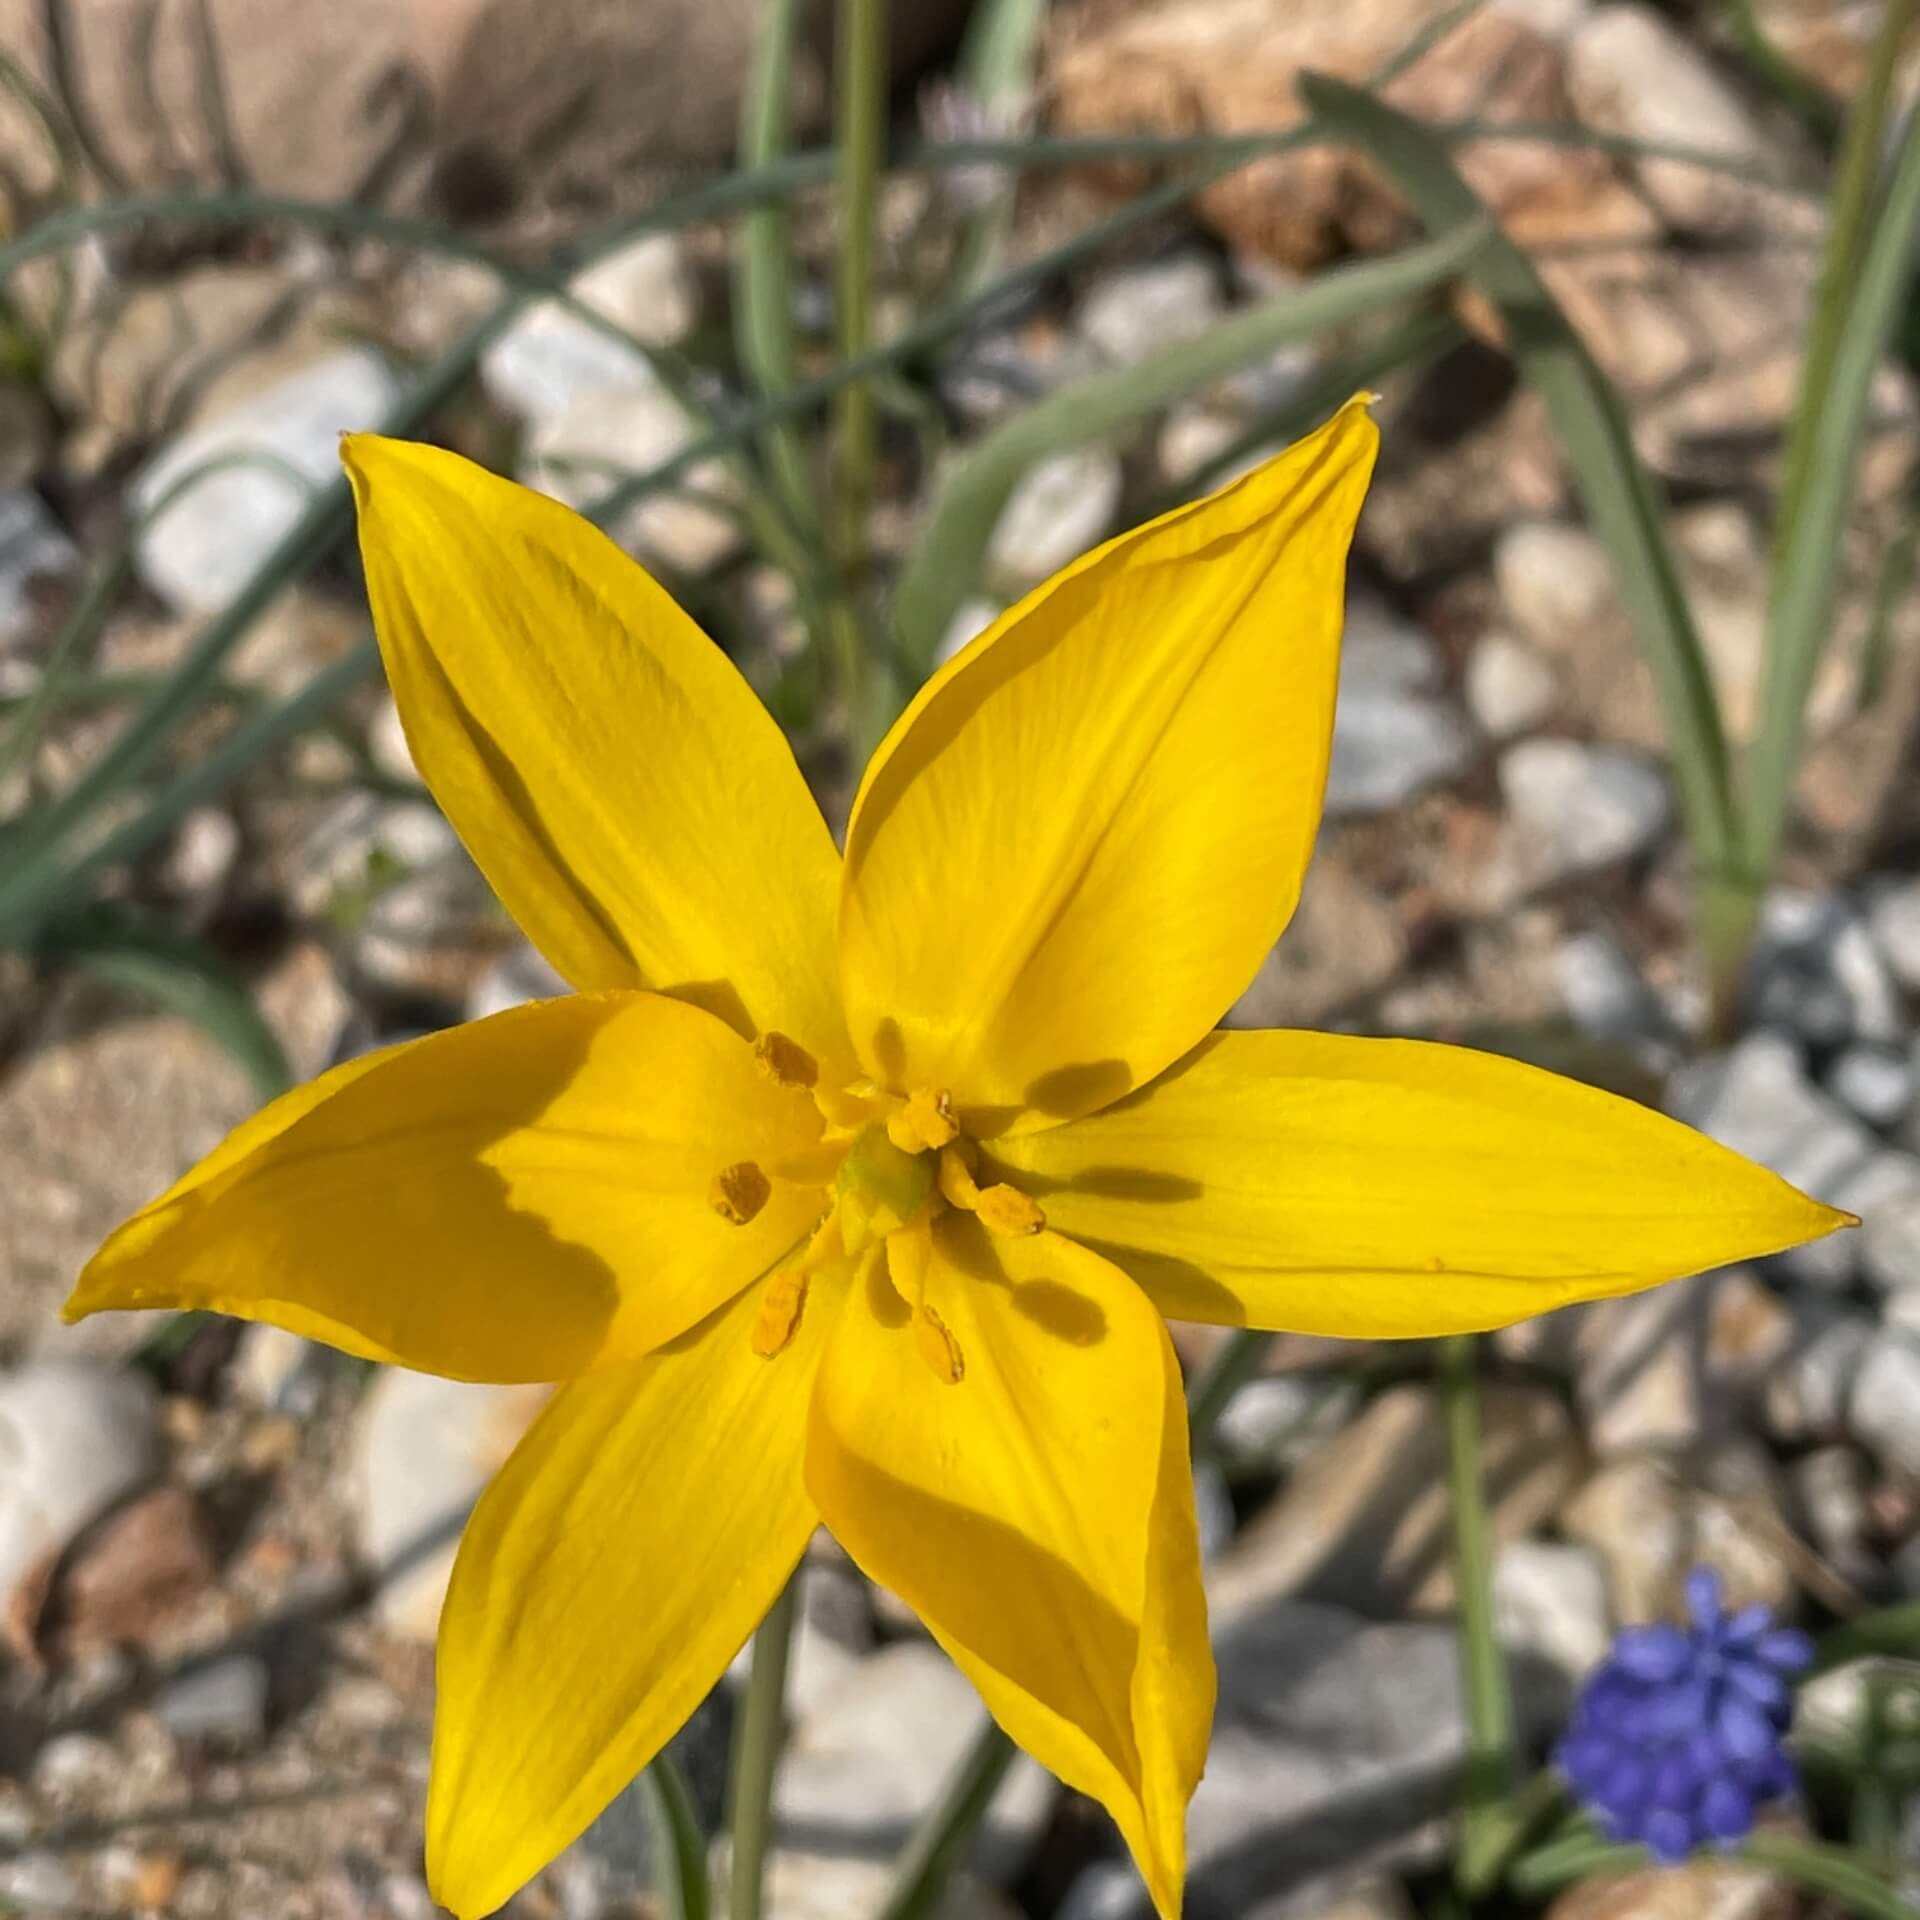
column 224, row 1702
column 39, row 1883
column 1550, row 1599
column 554, row 357
column 1816, row 972
column 1105, row 1890
column 1213, row 1507
column 1336, row 1742
column 1830, row 1491
column 404, row 1896
column 1894, row 922
column 817, row 1886
column 362, row 840
column 832, row 1635
column 1510, row 687
column 971, row 619
column 32, row 547
column 74, row 1440
column 608, row 433
column 1651, row 1525
column 208, row 543
column 520, row 974
column 1873, row 1000
column 198, row 864
column 1191, row 439
column 387, row 742
column 1131, row 313
column 1889, row 1237
column 73, row 1766
column 997, row 373
column 1758, row 1101
column 1631, row 73
column 420, row 1452
column 1393, row 733
column 1341, row 1897
column 1572, row 808
column 1876, row 1082
column 1363, row 1521
column 269, row 1365
column 1554, row 581
column 864, row 1767
column 1884, row 1408
column 1606, row 997
column 1061, row 506
column 1278, row 1419
column 1808, row 1397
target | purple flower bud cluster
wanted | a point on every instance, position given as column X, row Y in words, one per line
column 1677, row 1736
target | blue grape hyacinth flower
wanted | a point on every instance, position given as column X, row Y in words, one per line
column 1677, row 1737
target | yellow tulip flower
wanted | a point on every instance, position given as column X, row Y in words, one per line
column 854, row 1190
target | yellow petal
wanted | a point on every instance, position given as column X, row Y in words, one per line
column 630, row 800
column 1079, row 842
column 609, row 1574
column 1029, row 1496
column 1380, row 1188
column 524, row 1198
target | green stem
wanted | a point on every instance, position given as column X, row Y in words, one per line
column 920, row 1875
column 756, row 1750
column 1894, row 1630
column 860, row 99
column 1728, row 905
column 1485, row 1835
column 679, row 1847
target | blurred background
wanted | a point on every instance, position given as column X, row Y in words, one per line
column 1623, row 782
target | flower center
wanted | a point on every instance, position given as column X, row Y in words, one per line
column 902, row 1161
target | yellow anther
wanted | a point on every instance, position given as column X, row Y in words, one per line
column 1008, row 1210
column 925, row 1121
column 785, row 1062
column 938, row 1348
column 779, row 1316
column 739, row 1192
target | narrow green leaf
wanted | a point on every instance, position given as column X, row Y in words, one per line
column 180, row 974
column 679, row 1847
column 947, row 561
column 1829, row 1872
column 995, row 72
column 90, row 613
column 763, row 254
column 1625, row 503
column 1864, row 274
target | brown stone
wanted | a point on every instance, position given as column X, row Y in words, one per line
column 144, row 1567
column 1344, row 942
column 1364, row 1522
column 1700, row 1890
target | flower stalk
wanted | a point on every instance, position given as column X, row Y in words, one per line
column 756, row 1751
column 1486, row 1821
